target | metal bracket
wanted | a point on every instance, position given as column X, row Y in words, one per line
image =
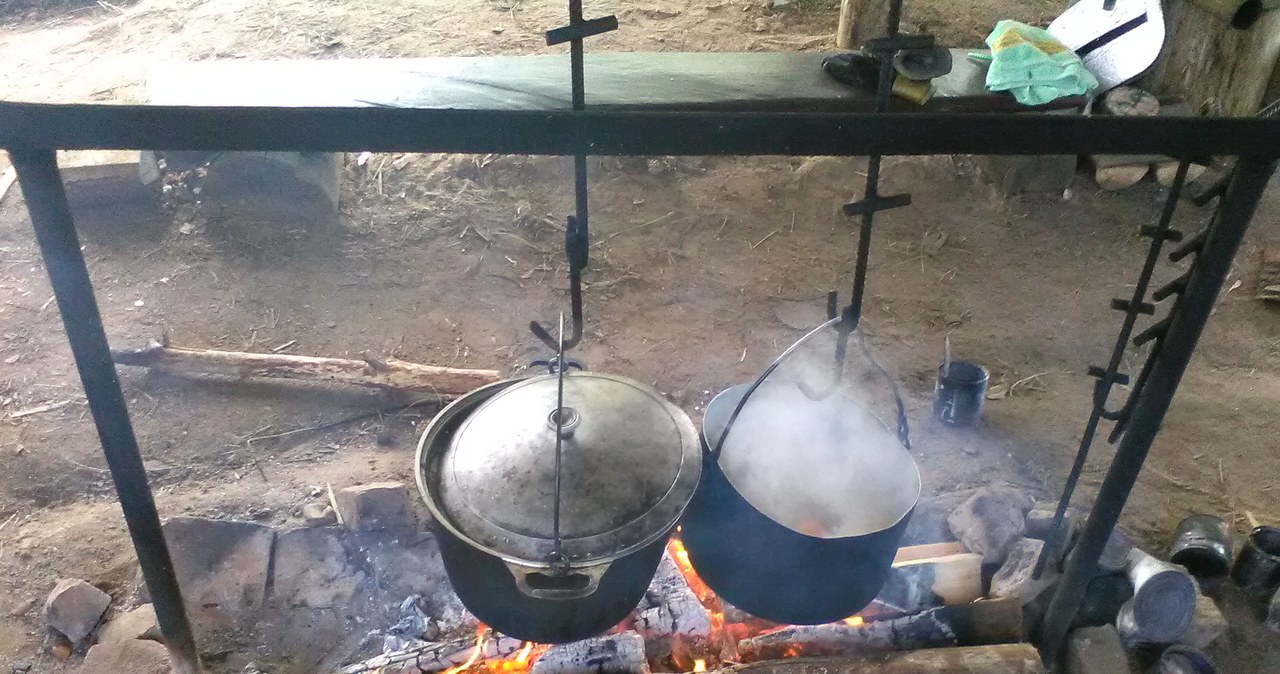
column 1193, row 245
column 1156, row 331
column 1174, row 287
column 579, row 31
column 1127, row 306
column 1164, row 234
column 876, row 204
column 1105, row 374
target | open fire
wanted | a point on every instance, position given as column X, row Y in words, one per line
column 694, row 652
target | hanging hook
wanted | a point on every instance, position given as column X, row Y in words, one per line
column 576, row 246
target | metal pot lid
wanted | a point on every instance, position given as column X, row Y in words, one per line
column 630, row 464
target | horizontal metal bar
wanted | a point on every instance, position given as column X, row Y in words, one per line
column 586, row 29
column 621, row 132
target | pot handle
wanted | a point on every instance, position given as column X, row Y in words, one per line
column 576, row 584
column 903, row 431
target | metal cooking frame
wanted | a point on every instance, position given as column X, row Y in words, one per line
column 33, row 132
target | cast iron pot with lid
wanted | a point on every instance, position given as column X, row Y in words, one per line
column 802, row 502
column 487, row 468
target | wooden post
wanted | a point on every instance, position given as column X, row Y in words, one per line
column 1205, row 60
column 861, row 20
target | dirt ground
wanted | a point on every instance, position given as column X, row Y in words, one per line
column 702, row 270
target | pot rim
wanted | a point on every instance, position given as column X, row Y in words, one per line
column 917, row 482
column 436, row 438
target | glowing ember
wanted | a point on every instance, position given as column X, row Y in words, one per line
column 699, row 665
column 854, row 621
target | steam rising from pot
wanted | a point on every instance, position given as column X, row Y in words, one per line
column 827, row 468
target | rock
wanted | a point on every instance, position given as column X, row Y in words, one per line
column 381, row 505
column 22, row 607
column 319, row 515
column 1014, row 579
column 222, row 567
column 1040, row 524
column 1019, row 175
column 1207, row 624
column 991, row 521
column 74, row 608
column 1096, row 650
column 1272, row 620
column 1040, row 519
column 20, row 668
column 60, row 651
column 140, row 623
column 134, row 657
column 929, row 520
column 312, row 570
column 1115, row 556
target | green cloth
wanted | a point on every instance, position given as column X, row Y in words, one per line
column 1034, row 66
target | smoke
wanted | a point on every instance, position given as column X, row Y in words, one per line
column 828, row 468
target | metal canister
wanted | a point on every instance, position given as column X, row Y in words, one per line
column 1202, row 543
column 1257, row 568
column 1163, row 603
column 1183, row 660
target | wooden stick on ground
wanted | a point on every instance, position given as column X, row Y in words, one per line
column 1000, row 659
column 390, row 373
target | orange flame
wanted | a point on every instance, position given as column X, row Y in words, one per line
column 475, row 652
column 519, row 662
column 699, row 665
column 854, row 621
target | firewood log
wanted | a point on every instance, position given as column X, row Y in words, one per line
column 387, row 373
column 997, row 659
column 670, row 611
column 980, row 623
column 610, row 654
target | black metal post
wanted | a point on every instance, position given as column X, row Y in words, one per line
column 55, row 232
column 1215, row 259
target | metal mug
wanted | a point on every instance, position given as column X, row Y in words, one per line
column 1257, row 568
column 1202, row 543
column 960, row 392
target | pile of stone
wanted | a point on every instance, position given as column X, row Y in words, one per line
column 301, row 592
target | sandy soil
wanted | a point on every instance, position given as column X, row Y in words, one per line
column 702, row 270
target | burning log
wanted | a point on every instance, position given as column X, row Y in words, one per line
column 387, row 373
column 670, row 611
column 432, row 657
column 980, row 623
column 998, row 659
column 610, row 654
